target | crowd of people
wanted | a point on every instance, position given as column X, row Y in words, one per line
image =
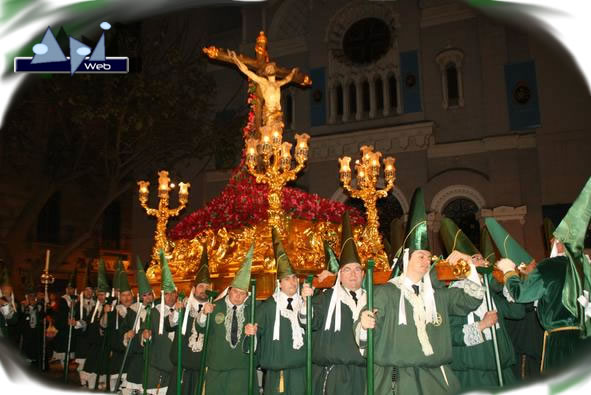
column 511, row 318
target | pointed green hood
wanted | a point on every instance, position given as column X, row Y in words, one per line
column 102, row 281
column 417, row 237
column 548, row 234
column 454, row 239
column 571, row 232
column 167, row 282
column 242, row 277
column 349, row 252
column 202, row 275
column 487, row 246
column 508, row 247
column 332, row 263
column 143, row 285
column 284, row 267
column 123, row 280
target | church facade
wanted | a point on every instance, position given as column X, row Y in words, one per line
column 491, row 120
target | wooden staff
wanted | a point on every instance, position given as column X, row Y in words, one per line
column 137, row 318
column 253, row 294
column 67, row 357
column 179, row 334
column 489, row 307
column 199, row 389
column 147, row 325
column 370, row 383
column 309, row 339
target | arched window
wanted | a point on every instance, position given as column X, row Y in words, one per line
column 463, row 212
column 352, row 98
column 365, row 96
column 379, row 92
column 453, row 95
column 450, row 63
column 340, row 101
column 366, row 41
column 393, row 96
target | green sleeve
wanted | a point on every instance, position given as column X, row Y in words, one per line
column 462, row 301
column 457, row 330
column 514, row 311
column 528, row 290
column 318, row 311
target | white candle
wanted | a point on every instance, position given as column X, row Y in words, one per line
column 47, row 260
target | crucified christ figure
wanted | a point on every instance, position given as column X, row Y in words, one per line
column 269, row 86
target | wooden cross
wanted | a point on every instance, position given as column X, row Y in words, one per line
column 258, row 64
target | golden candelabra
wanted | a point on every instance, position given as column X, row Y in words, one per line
column 367, row 175
column 269, row 160
column 163, row 212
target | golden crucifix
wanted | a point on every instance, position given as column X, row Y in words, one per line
column 266, row 76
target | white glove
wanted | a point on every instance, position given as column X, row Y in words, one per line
column 506, row 265
column 584, row 301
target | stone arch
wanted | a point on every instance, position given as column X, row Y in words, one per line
column 446, row 195
column 451, row 192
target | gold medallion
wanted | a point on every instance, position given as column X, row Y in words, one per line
column 219, row 318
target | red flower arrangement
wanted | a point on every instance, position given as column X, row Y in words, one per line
column 244, row 202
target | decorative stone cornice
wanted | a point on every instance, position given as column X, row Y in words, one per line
column 497, row 143
column 505, row 213
column 389, row 140
column 444, row 13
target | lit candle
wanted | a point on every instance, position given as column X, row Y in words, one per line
column 286, row 149
column 184, row 188
column 47, row 253
column 143, row 187
column 345, row 166
column 163, row 181
column 276, row 137
column 302, row 140
column 389, row 163
column 251, row 147
column 366, row 152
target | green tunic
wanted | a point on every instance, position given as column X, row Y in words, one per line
column 160, row 366
column 135, row 357
column 97, row 356
column 115, row 338
column 82, row 345
column 473, row 355
column 398, row 345
column 278, row 357
column 190, row 359
column 60, row 321
column 339, row 367
column 227, row 367
column 545, row 284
